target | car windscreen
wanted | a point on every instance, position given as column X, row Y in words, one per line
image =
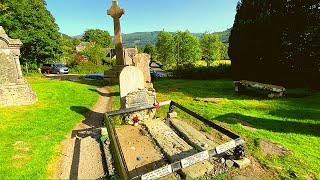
column 60, row 65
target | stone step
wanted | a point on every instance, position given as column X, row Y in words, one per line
column 193, row 136
column 176, row 148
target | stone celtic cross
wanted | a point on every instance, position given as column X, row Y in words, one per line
column 116, row 12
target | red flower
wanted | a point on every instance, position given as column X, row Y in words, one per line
column 135, row 119
column 156, row 105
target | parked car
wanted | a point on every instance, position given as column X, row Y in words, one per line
column 54, row 68
column 95, row 76
column 156, row 74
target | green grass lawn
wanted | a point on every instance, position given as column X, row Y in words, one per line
column 290, row 122
column 30, row 135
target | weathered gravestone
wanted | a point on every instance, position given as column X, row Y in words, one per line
column 142, row 61
column 132, row 88
column 14, row 90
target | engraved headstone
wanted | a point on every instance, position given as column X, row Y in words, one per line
column 132, row 90
column 14, row 89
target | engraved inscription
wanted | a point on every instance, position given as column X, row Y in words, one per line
column 226, row 146
column 191, row 160
column 161, row 172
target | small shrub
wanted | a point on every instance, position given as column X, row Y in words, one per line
column 89, row 69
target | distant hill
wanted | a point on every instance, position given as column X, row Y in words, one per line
column 142, row 38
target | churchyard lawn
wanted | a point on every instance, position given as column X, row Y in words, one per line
column 282, row 133
column 30, row 135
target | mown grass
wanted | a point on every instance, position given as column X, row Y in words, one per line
column 202, row 63
column 290, row 122
column 30, row 134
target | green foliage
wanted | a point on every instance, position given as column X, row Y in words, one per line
column 211, row 47
column 95, row 53
column 89, row 69
column 165, row 49
column 100, row 37
column 186, row 48
column 141, row 39
column 151, row 50
column 30, row 135
column 68, row 47
column 277, row 42
column 33, row 24
column 203, row 72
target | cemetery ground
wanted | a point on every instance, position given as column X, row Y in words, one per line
column 282, row 134
column 30, row 135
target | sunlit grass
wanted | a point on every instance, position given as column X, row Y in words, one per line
column 30, row 134
column 290, row 122
column 201, row 63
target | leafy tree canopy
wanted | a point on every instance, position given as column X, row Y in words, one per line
column 33, row 24
column 98, row 36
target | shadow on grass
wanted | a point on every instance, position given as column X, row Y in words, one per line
column 223, row 88
column 301, row 114
column 280, row 126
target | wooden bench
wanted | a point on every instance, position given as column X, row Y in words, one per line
column 274, row 91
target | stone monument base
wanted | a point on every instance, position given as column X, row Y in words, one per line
column 111, row 77
column 16, row 94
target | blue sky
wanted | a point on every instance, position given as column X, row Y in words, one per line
column 197, row 16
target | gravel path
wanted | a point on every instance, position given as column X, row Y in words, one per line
column 81, row 157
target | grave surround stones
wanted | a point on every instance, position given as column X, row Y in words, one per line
column 14, row 90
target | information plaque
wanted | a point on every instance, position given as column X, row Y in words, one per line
column 225, row 147
column 161, row 172
column 194, row 159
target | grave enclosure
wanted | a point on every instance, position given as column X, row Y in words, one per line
column 14, row 89
column 178, row 149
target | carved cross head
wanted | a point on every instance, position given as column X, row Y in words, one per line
column 115, row 11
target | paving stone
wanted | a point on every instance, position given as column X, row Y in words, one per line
column 172, row 115
column 242, row 163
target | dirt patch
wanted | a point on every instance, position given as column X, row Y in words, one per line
column 270, row 148
column 244, row 124
column 211, row 100
column 254, row 171
column 140, row 154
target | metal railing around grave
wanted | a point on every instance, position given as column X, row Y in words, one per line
column 216, row 152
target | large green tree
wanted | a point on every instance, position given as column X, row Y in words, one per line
column 100, row 37
column 211, row 47
column 165, row 52
column 152, row 50
column 186, row 48
column 33, row 24
column 277, row 41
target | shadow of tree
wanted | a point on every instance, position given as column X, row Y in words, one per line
column 273, row 125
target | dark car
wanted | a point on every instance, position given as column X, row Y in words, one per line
column 54, row 68
column 95, row 76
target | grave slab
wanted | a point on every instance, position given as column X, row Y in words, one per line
column 196, row 138
column 176, row 148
